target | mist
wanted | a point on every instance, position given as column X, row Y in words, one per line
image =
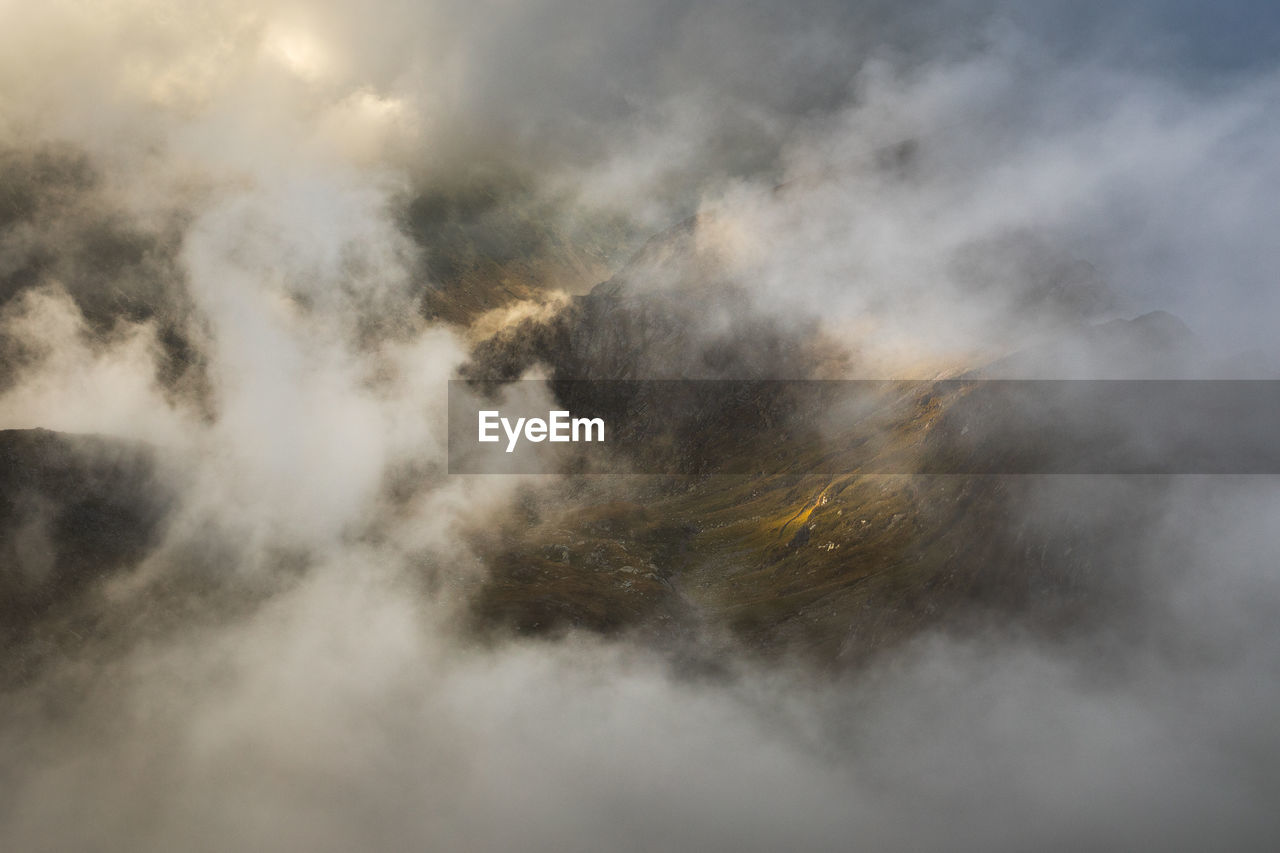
column 255, row 241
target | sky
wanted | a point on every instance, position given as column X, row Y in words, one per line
column 203, row 247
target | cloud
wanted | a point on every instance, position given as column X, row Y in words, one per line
column 204, row 246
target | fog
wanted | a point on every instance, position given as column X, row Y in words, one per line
column 203, row 247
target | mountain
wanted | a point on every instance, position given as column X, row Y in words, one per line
column 74, row 511
column 820, row 552
column 488, row 241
